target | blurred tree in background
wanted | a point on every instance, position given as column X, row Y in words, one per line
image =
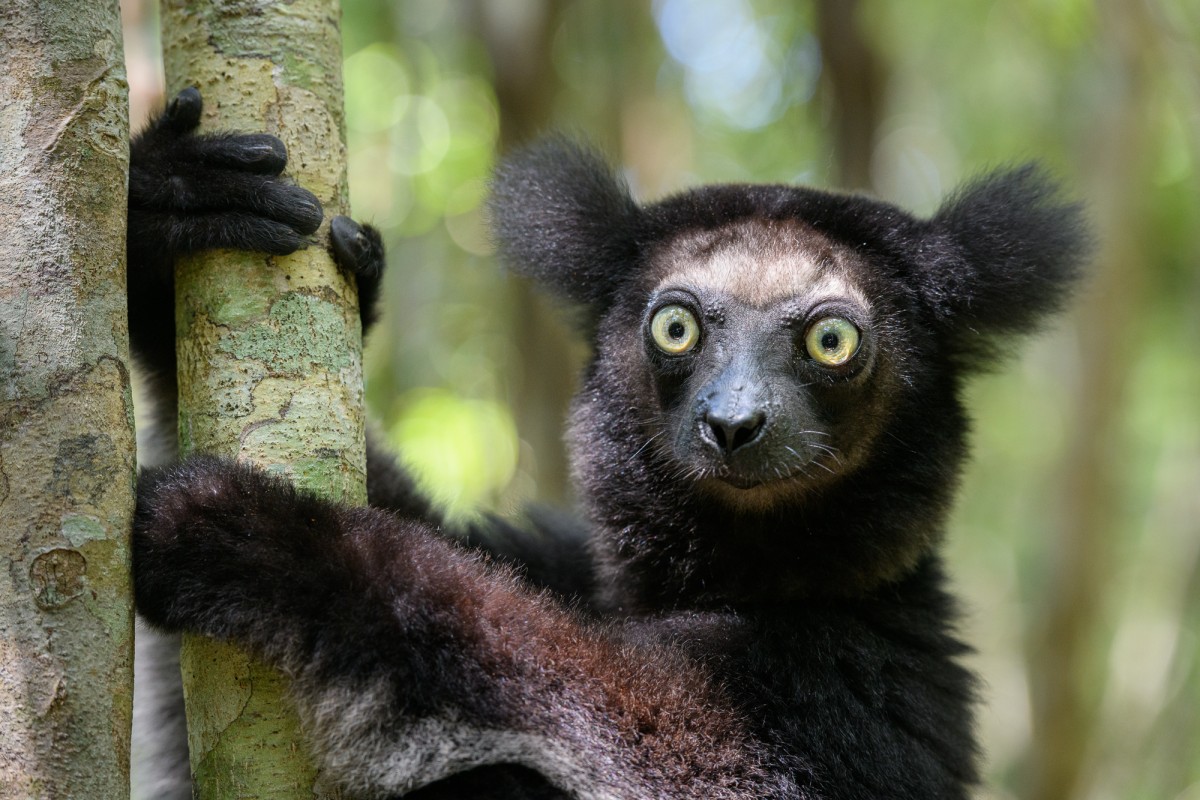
column 1077, row 546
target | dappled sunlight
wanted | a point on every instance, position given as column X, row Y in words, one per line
column 464, row 450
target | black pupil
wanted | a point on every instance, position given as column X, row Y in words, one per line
column 830, row 341
column 676, row 330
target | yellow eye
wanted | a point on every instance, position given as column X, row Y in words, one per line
column 675, row 330
column 832, row 341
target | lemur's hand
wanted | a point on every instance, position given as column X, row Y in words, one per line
column 190, row 191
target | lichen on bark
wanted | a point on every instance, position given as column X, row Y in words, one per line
column 270, row 365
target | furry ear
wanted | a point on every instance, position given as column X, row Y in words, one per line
column 561, row 216
column 1000, row 255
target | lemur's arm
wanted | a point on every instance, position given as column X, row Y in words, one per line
column 395, row 638
column 190, row 192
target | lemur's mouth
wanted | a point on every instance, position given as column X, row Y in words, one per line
column 771, row 475
column 749, row 490
column 755, row 476
column 745, row 481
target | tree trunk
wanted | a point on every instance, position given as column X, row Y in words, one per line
column 270, row 349
column 66, row 424
column 1066, row 677
column 854, row 84
column 519, row 46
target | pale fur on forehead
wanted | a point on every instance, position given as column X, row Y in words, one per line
column 761, row 262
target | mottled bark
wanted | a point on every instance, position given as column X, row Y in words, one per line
column 270, row 364
column 66, row 423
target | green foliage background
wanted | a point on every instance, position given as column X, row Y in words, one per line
column 1076, row 546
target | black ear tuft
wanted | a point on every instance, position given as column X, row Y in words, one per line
column 1004, row 252
column 561, row 216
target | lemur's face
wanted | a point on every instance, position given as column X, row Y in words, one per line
column 776, row 369
column 773, row 369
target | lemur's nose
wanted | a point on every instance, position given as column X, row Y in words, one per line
column 729, row 431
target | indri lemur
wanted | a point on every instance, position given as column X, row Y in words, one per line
column 766, row 441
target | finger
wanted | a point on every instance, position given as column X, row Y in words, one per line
column 183, row 112
column 257, row 152
column 260, row 153
column 292, row 205
column 198, row 191
column 159, row 137
column 195, row 232
column 359, row 249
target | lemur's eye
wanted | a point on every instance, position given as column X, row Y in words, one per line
column 832, row 341
column 675, row 330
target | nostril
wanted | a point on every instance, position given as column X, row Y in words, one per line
column 731, row 434
column 747, row 433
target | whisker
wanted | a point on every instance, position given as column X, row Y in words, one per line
column 825, row 467
column 638, row 452
column 827, row 450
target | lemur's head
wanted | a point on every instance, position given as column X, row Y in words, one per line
column 777, row 367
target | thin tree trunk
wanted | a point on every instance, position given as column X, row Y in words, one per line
column 523, row 76
column 270, row 357
column 1066, row 678
column 66, row 423
column 854, row 86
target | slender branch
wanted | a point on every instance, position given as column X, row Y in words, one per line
column 270, row 364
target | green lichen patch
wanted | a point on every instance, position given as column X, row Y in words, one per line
column 212, row 659
column 107, row 577
column 80, row 528
column 339, row 475
column 312, row 439
column 301, row 333
column 238, row 294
